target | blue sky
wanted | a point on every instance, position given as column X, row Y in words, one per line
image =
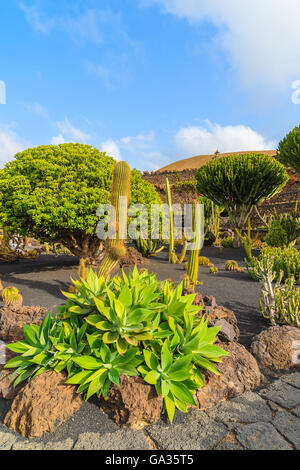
column 149, row 81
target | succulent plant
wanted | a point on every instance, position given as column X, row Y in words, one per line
column 203, row 261
column 11, row 296
column 213, row 270
column 231, row 265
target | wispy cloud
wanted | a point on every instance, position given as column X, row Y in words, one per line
column 261, row 37
column 141, row 148
column 37, row 109
column 69, row 133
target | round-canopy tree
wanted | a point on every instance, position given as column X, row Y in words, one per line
column 52, row 194
column 289, row 150
column 240, row 182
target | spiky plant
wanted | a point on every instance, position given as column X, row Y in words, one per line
column 148, row 247
column 115, row 247
column 213, row 270
column 246, row 239
column 240, row 182
column 193, row 263
column 11, row 296
column 203, row 261
column 289, row 150
column 231, row 265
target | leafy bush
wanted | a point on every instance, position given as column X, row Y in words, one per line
column 289, row 149
column 129, row 326
column 285, row 260
column 52, row 194
column 227, row 242
column 276, row 236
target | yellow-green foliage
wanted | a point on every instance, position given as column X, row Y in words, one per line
column 227, row 242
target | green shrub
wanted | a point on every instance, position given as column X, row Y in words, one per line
column 289, row 149
column 276, row 236
column 285, row 260
column 185, row 186
column 129, row 326
column 227, row 242
column 52, row 193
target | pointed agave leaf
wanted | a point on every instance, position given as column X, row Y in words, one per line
column 110, row 337
column 87, row 362
column 152, row 377
column 165, row 388
column 170, row 407
column 166, row 357
column 114, row 376
column 30, row 335
column 19, row 347
column 93, row 319
column 150, row 359
column 181, row 392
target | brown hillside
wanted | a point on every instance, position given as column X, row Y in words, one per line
column 200, row 160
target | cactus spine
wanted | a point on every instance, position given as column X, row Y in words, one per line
column 193, row 264
column 115, row 247
column 173, row 258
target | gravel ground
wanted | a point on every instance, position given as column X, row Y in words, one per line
column 41, row 281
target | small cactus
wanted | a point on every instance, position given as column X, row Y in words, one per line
column 203, row 261
column 11, row 296
column 231, row 265
column 213, row 270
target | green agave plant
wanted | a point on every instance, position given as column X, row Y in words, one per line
column 130, row 325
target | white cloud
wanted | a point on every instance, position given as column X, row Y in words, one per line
column 261, row 36
column 111, row 148
column 70, row 133
column 37, row 109
column 196, row 140
column 10, row 144
column 58, row 139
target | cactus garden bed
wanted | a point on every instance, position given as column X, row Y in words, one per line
column 89, row 425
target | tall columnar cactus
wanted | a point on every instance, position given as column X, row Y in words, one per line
column 173, row 258
column 115, row 247
column 193, row 264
